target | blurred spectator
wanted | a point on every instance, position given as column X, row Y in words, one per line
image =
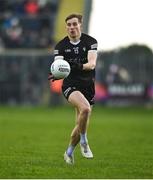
column 27, row 23
column 31, row 7
column 12, row 32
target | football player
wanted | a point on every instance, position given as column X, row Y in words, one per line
column 80, row 50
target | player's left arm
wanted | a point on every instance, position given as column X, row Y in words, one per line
column 92, row 58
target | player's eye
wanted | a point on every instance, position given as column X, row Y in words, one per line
column 72, row 24
column 75, row 24
column 69, row 24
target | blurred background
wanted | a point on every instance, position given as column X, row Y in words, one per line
column 29, row 30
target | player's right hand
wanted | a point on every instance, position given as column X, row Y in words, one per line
column 51, row 77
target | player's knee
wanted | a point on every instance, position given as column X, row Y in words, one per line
column 85, row 110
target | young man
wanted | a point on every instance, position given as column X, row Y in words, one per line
column 80, row 50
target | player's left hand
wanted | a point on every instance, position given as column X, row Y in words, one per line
column 76, row 66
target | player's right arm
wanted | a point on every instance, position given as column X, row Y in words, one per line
column 58, row 52
column 57, row 55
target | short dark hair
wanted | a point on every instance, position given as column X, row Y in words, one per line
column 78, row 16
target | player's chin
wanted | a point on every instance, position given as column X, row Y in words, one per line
column 73, row 34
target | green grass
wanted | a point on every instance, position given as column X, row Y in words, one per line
column 33, row 140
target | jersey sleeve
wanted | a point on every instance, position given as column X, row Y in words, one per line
column 58, row 51
column 92, row 44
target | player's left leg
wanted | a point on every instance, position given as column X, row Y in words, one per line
column 76, row 134
column 84, row 144
column 83, row 113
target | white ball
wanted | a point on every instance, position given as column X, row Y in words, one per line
column 60, row 69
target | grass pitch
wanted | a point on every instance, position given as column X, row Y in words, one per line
column 33, row 141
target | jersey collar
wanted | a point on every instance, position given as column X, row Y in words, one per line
column 75, row 43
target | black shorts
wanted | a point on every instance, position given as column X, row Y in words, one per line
column 87, row 91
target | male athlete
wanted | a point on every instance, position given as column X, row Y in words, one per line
column 80, row 50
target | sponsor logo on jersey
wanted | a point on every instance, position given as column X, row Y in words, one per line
column 67, row 50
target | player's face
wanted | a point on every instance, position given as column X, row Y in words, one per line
column 73, row 28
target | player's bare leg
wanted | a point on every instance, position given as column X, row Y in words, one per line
column 83, row 107
column 75, row 135
column 75, row 138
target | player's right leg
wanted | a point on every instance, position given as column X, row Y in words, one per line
column 74, row 140
column 68, row 159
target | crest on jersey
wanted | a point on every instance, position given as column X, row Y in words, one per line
column 76, row 50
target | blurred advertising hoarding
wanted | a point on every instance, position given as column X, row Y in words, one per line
column 135, row 93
